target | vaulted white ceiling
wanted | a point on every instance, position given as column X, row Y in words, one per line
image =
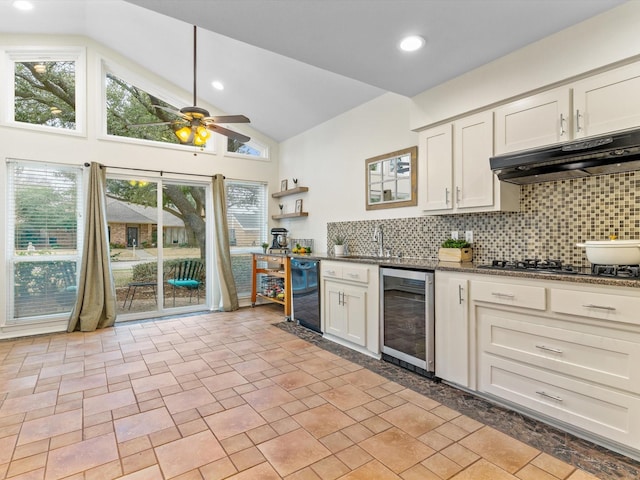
column 290, row 65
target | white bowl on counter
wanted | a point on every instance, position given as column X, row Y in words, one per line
column 612, row 252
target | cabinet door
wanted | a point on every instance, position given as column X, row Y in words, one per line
column 436, row 151
column 355, row 311
column 333, row 311
column 473, row 145
column 607, row 102
column 452, row 330
column 533, row 121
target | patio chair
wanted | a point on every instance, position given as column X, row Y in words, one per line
column 187, row 274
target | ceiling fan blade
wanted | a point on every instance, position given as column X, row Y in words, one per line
column 229, row 119
column 229, row 133
column 172, row 110
column 149, row 124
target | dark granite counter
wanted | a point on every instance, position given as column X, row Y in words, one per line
column 434, row 265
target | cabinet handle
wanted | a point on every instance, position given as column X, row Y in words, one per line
column 549, row 349
column 578, row 127
column 353, row 275
column 458, row 196
column 548, row 395
column 562, row 122
column 330, row 272
column 460, row 299
column 503, row 295
column 446, row 196
column 600, row 307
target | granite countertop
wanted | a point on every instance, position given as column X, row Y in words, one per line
column 435, row 265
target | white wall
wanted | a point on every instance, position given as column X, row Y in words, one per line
column 330, row 158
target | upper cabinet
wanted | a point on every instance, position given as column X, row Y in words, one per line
column 607, row 102
column 541, row 119
column 458, row 177
column 597, row 105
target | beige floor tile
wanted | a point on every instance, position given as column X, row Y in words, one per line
column 412, row 419
column 369, row 471
column 264, row 471
column 506, row 452
column 396, row 449
column 552, row 465
column 81, row 456
column 223, row 381
column 26, row 403
column 269, row 397
column 483, row 470
column 346, row 397
column 229, row 423
column 180, row 402
column 293, row 451
column 144, row 423
column 292, row 380
column 50, row 426
column 323, row 420
column 188, row 453
column 153, row 382
column 108, row 401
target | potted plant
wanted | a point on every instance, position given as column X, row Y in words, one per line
column 265, row 245
column 338, row 245
column 453, row 250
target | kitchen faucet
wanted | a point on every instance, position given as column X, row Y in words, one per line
column 378, row 237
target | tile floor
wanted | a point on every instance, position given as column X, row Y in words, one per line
column 229, row 395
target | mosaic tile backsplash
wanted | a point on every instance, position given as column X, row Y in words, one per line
column 553, row 217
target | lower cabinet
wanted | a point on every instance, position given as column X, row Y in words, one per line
column 346, row 308
column 350, row 305
column 581, row 375
column 453, row 350
column 565, row 353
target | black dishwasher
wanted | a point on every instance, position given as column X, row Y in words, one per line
column 305, row 285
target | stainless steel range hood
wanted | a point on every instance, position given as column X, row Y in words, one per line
column 617, row 152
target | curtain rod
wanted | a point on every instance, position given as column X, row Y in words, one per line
column 161, row 172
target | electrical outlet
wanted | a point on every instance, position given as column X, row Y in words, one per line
column 468, row 236
column 454, row 234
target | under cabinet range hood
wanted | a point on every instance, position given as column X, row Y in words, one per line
column 613, row 153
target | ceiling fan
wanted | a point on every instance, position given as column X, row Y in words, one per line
column 197, row 121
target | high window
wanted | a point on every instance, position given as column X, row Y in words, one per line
column 247, row 222
column 252, row 148
column 48, row 89
column 45, row 207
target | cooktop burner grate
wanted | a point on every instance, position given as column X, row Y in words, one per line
column 558, row 267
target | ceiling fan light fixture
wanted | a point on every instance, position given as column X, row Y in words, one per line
column 412, row 43
column 201, row 136
column 183, row 134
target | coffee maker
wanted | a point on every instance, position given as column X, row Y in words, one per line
column 280, row 241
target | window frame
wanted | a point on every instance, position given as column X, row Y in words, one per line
column 253, row 143
column 78, row 54
column 11, row 256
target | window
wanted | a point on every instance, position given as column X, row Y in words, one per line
column 247, row 222
column 250, row 149
column 45, row 207
column 49, row 89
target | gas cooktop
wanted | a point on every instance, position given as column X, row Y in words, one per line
column 557, row 267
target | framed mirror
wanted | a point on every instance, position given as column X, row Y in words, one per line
column 391, row 179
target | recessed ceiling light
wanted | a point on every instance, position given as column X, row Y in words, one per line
column 412, row 43
column 217, row 85
column 23, row 5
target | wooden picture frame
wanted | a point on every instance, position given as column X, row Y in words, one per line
column 283, row 185
column 299, row 205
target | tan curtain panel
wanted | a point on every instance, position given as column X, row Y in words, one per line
column 226, row 282
column 96, row 303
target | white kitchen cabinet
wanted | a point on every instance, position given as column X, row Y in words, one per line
column 436, row 150
column 452, row 328
column 597, row 105
column 534, row 121
column 349, row 313
column 565, row 353
column 607, row 102
column 458, row 178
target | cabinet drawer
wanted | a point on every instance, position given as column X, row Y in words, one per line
column 509, row 294
column 270, row 258
column 603, row 306
column 345, row 271
column 355, row 273
column 585, row 352
column 602, row 411
column 331, row 270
